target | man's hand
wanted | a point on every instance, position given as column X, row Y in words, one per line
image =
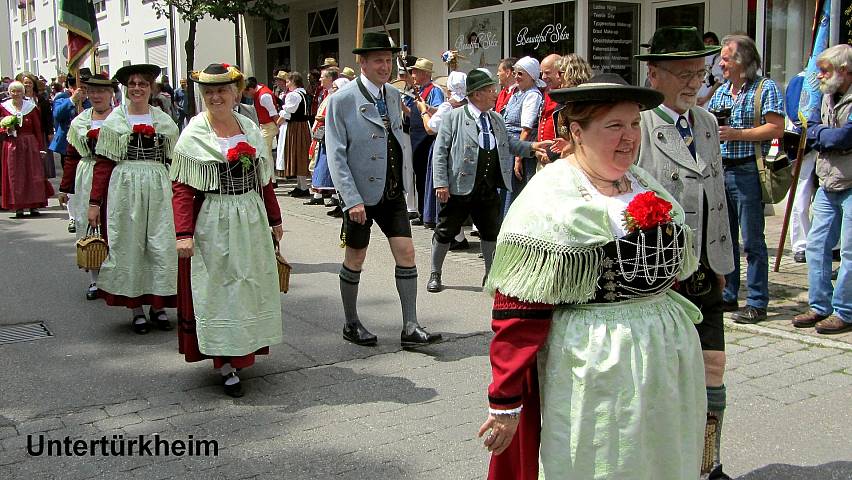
column 503, row 428
column 443, row 194
column 722, row 283
column 358, row 214
column 278, row 232
column 519, row 168
column 541, row 147
column 185, row 247
column 94, row 216
column 727, row 134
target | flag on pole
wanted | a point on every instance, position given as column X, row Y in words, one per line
column 78, row 17
column 811, row 98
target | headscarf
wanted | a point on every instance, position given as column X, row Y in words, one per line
column 456, row 85
column 533, row 68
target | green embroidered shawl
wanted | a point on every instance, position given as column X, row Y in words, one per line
column 549, row 247
column 197, row 154
column 80, row 126
column 115, row 133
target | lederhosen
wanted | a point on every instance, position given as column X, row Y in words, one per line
column 390, row 213
column 482, row 203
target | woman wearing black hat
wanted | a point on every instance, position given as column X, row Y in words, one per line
column 134, row 146
column 583, row 273
column 79, row 163
column 229, row 307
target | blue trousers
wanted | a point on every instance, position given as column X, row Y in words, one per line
column 832, row 222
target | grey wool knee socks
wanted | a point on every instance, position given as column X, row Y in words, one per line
column 349, row 280
column 406, row 286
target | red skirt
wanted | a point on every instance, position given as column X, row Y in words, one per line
column 24, row 184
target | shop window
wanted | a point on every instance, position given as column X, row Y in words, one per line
column 100, row 6
column 461, row 5
column 614, row 38
column 380, row 13
column 787, row 37
column 540, row 31
column 278, row 31
column 322, row 49
column 52, row 41
column 691, row 15
column 103, row 60
column 277, row 46
column 478, row 39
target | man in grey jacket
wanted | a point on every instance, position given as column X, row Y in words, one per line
column 680, row 148
column 473, row 157
column 363, row 138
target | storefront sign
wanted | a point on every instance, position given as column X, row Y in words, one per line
column 478, row 41
column 613, row 37
column 846, row 21
column 549, row 34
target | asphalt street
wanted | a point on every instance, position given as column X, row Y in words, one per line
column 318, row 407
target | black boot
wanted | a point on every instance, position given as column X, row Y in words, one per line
column 434, row 285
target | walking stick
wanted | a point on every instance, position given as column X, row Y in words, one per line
column 797, row 168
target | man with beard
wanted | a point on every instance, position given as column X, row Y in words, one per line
column 740, row 63
column 680, row 148
column 831, row 135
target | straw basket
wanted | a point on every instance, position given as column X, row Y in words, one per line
column 284, row 268
column 710, row 434
column 92, row 250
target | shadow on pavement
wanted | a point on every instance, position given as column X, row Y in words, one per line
column 300, row 268
column 778, row 471
column 455, row 348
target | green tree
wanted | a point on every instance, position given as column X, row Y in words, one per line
column 192, row 11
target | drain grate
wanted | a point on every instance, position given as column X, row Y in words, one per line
column 23, row 332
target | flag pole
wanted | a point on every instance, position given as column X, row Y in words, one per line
column 359, row 26
column 791, row 197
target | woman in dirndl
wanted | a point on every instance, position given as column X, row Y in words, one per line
column 22, row 175
column 78, row 165
column 298, row 137
column 597, row 371
column 229, row 306
column 131, row 174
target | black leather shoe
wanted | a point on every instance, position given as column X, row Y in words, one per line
column 474, row 233
column 314, row 201
column 92, row 294
column 730, row 306
column 34, row 213
column 359, row 335
column 19, row 214
column 164, row 325
column 799, row 257
column 336, row 213
column 299, row 193
column 140, row 328
column 419, row 337
column 234, row 390
column 332, row 202
column 434, row 285
column 429, row 225
column 72, row 226
column 463, row 245
column 718, row 474
column 413, row 215
column 749, row 315
column 417, row 221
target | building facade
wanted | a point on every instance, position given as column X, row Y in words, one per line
column 129, row 31
column 608, row 33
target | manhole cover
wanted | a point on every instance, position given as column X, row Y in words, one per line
column 23, row 332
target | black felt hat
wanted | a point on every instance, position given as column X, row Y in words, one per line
column 677, row 43
column 124, row 73
column 607, row 88
column 375, row 42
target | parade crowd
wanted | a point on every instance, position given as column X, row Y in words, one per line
column 610, row 219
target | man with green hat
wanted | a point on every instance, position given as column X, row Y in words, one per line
column 363, row 137
column 473, row 157
column 680, row 148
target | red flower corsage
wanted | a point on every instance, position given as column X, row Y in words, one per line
column 144, row 130
column 93, row 133
column 243, row 153
column 647, row 210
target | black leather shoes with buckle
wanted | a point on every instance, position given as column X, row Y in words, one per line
column 359, row 335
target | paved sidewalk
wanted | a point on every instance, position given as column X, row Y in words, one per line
column 319, row 408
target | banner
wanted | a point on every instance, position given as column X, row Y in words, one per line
column 78, row 17
column 811, row 98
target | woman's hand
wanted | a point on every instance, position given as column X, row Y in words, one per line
column 519, row 168
column 185, row 247
column 94, row 216
column 278, row 232
column 63, row 199
column 503, row 428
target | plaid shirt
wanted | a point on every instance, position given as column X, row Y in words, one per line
column 742, row 112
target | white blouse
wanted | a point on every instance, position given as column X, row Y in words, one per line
column 227, row 143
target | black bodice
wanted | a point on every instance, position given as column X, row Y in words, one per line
column 640, row 264
column 142, row 148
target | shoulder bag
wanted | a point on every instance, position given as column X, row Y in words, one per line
column 776, row 174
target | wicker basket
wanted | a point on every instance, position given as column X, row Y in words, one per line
column 284, row 268
column 711, row 431
column 92, row 250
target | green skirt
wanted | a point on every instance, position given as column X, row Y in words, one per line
column 141, row 230
column 235, row 290
column 622, row 391
column 79, row 207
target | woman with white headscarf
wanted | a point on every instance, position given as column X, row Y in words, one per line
column 432, row 124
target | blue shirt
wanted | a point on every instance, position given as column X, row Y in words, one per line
column 742, row 112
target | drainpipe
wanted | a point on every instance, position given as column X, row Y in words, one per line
column 174, row 80
column 238, row 42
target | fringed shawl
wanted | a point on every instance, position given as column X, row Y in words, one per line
column 549, row 247
column 196, row 156
column 116, row 130
column 77, row 132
